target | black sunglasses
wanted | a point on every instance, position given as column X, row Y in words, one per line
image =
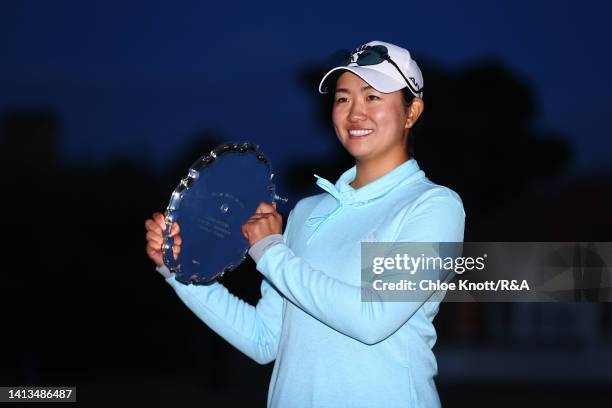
column 372, row 55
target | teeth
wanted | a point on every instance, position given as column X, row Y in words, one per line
column 360, row 132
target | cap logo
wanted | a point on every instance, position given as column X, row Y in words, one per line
column 354, row 56
column 363, row 47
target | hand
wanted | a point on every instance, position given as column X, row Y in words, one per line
column 155, row 226
column 266, row 221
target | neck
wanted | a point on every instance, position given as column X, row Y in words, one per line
column 368, row 171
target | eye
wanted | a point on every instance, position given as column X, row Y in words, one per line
column 373, row 98
column 341, row 99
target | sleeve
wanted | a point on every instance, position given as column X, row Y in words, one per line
column 254, row 330
column 338, row 304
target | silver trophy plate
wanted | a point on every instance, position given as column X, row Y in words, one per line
column 221, row 191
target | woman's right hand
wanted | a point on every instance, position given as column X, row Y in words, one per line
column 155, row 227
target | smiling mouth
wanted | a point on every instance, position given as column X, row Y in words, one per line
column 360, row 133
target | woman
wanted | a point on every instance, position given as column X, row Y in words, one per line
column 329, row 347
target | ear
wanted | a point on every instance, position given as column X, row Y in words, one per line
column 414, row 112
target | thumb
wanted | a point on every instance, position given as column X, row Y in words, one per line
column 265, row 208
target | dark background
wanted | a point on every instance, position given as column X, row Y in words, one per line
column 104, row 105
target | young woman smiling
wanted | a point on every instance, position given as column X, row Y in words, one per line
column 372, row 126
column 330, row 348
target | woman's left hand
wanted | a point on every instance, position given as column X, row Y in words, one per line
column 266, row 221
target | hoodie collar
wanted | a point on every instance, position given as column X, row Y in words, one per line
column 345, row 194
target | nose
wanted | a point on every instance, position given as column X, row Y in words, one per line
column 357, row 112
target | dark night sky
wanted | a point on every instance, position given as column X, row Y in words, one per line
column 141, row 78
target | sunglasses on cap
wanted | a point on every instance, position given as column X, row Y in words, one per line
column 373, row 55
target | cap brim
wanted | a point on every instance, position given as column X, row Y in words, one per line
column 379, row 81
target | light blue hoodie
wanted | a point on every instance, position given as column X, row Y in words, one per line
column 330, row 348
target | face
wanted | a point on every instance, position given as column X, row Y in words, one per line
column 371, row 125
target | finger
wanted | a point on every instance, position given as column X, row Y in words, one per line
column 175, row 229
column 155, row 238
column 254, row 220
column 274, row 204
column 150, row 252
column 265, row 208
column 178, row 240
column 151, row 225
column 152, row 249
column 160, row 220
column 258, row 216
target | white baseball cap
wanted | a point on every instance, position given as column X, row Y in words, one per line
column 386, row 67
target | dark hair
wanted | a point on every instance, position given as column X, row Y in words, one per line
column 408, row 97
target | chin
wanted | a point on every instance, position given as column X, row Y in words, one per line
column 362, row 156
column 357, row 152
